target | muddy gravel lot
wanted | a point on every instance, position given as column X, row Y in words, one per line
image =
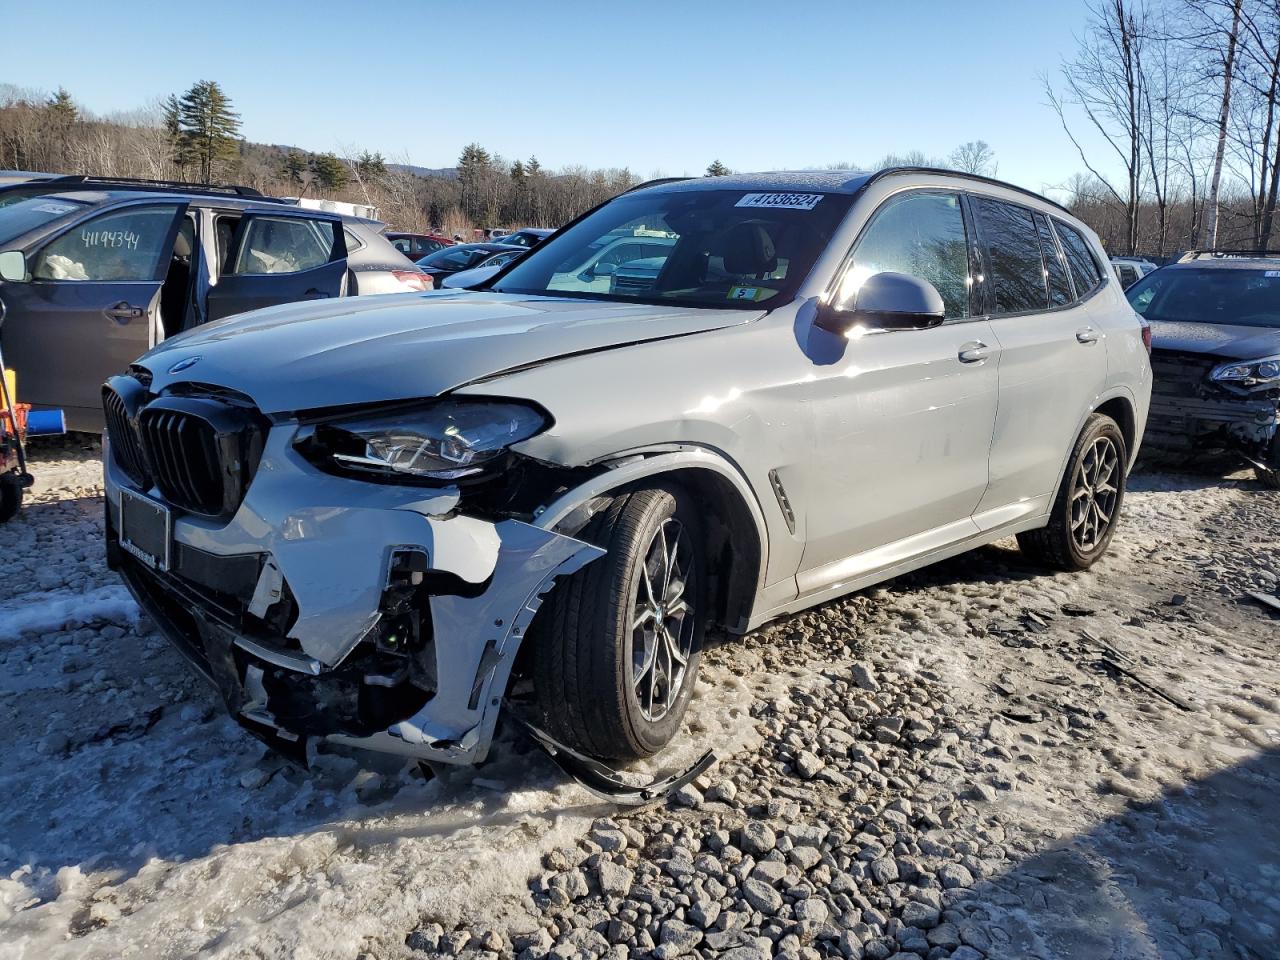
column 979, row 760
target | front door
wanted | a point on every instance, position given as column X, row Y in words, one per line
column 902, row 419
column 280, row 258
column 90, row 308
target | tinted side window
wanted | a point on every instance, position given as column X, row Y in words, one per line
column 284, row 245
column 126, row 245
column 1055, row 271
column 1013, row 250
column 1084, row 268
column 920, row 234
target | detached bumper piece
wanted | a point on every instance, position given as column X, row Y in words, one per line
column 1191, row 413
column 603, row 780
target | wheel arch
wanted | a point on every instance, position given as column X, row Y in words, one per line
column 1119, row 405
column 736, row 535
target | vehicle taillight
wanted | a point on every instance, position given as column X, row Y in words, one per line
column 1146, row 334
column 414, row 279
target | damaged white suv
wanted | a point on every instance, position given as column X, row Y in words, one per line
column 360, row 519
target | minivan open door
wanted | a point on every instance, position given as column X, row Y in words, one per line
column 280, row 257
column 89, row 306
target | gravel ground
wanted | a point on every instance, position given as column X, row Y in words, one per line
column 979, row 760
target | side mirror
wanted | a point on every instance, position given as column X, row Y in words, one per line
column 603, row 269
column 13, row 266
column 886, row 301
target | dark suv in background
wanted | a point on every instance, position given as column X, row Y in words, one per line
column 1215, row 324
column 94, row 272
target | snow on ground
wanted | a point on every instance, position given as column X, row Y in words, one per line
column 137, row 821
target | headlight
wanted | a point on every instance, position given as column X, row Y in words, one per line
column 444, row 441
column 1249, row 372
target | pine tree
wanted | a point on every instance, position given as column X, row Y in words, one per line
column 474, row 166
column 63, row 108
column 329, row 170
column 294, row 167
column 717, row 169
column 209, row 128
column 370, row 166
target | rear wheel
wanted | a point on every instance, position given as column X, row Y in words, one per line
column 1087, row 507
column 617, row 649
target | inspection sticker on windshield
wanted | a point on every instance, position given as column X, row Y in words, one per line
column 785, row 201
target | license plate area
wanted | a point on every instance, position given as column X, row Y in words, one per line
column 146, row 529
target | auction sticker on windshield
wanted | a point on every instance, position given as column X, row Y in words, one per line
column 785, row 201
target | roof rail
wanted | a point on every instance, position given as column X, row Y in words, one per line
column 140, row 183
column 657, row 183
column 1189, row 255
column 889, row 171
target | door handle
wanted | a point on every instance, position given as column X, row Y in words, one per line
column 124, row 312
column 314, row 294
column 1087, row 335
column 975, row 351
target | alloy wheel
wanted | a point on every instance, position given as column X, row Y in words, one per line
column 1095, row 494
column 663, row 620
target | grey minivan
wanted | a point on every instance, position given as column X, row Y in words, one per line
column 360, row 520
column 92, row 277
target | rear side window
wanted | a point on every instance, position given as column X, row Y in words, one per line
column 920, row 234
column 1085, row 271
column 1055, row 269
column 125, row 245
column 403, row 244
column 1013, row 251
column 284, row 245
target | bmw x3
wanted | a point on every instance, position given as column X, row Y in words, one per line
column 365, row 520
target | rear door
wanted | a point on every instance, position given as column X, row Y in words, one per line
column 280, row 257
column 91, row 306
column 1052, row 362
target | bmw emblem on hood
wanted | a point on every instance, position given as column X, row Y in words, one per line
column 186, row 364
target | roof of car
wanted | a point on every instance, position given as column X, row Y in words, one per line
column 823, row 181
column 1226, row 263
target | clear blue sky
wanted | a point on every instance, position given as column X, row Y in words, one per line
column 656, row 86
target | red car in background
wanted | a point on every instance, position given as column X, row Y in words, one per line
column 415, row 246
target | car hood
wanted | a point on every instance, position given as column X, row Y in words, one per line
column 1216, row 339
column 368, row 349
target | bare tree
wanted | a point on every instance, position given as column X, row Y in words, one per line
column 1227, row 29
column 976, row 156
column 1105, row 83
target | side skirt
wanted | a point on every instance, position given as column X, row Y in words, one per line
column 868, row 578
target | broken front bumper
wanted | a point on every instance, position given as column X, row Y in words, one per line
column 355, row 612
column 1190, row 413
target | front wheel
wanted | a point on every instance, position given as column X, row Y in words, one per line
column 1087, row 508
column 616, row 651
column 11, row 492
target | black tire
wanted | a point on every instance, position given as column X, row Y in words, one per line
column 11, row 491
column 587, row 676
column 1076, row 536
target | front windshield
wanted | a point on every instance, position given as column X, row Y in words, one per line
column 23, row 215
column 700, row 248
column 1243, row 297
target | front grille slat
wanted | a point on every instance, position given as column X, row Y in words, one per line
column 200, row 452
column 124, row 437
